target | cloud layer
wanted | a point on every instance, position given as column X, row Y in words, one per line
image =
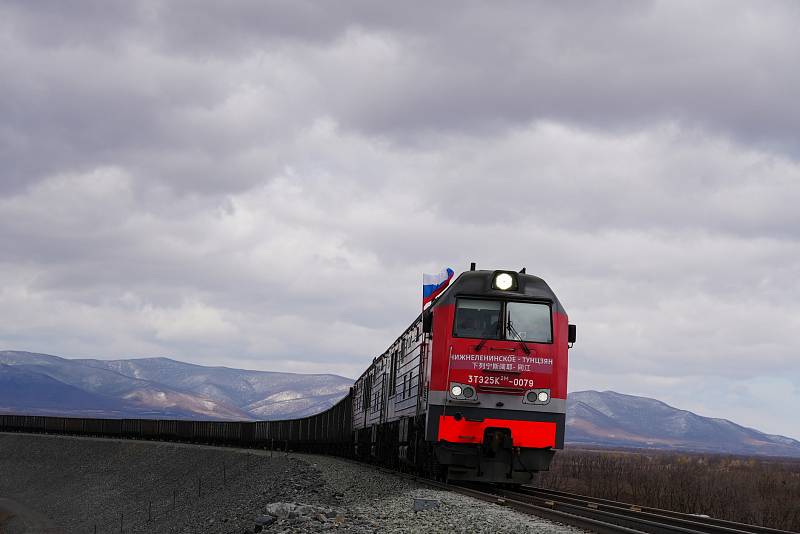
column 262, row 186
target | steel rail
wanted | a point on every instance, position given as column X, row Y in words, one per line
column 559, row 516
column 644, row 519
column 727, row 526
column 582, row 521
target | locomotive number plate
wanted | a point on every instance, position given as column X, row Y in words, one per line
column 500, row 380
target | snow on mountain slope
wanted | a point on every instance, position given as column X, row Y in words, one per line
column 161, row 387
column 613, row 419
column 262, row 394
column 130, row 396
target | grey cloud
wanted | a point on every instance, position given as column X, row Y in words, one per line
column 262, row 186
column 404, row 74
column 619, row 66
column 52, row 24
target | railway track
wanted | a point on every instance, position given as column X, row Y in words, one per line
column 601, row 516
column 605, row 516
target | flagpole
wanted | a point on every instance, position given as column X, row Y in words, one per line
column 423, row 293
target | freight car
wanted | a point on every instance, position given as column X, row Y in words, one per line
column 326, row 432
column 474, row 389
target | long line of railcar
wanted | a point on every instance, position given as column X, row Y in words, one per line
column 326, row 432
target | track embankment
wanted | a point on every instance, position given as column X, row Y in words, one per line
column 74, row 484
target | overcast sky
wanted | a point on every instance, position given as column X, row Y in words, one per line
column 261, row 185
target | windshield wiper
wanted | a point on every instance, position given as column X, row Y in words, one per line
column 483, row 341
column 514, row 332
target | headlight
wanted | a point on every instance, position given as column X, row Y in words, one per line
column 463, row 393
column 503, row 281
column 537, row 396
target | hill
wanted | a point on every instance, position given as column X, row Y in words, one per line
column 611, row 419
column 158, row 387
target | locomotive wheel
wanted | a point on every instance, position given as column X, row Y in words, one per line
column 427, row 464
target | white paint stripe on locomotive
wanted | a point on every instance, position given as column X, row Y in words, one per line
column 490, row 400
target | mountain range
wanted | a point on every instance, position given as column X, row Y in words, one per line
column 611, row 419
column 158, row 387
column 163, row 388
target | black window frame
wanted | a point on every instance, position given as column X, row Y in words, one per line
column 367, row 392
column 503, row 317
column 394, row 362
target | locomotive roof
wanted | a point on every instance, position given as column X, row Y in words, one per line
column 479, row 283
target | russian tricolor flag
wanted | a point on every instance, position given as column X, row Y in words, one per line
column 433, row 284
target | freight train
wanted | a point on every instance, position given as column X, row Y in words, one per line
column 474, row 389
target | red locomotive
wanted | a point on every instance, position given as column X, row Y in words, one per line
column 475, row 389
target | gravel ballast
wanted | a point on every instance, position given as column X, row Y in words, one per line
column 155, row 487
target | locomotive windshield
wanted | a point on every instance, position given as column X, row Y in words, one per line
column 478, row 318
column 494, row 319
column 528, row 321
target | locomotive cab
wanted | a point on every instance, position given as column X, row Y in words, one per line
column 497, row 376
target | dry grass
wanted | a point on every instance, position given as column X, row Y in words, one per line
column 760, row 491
